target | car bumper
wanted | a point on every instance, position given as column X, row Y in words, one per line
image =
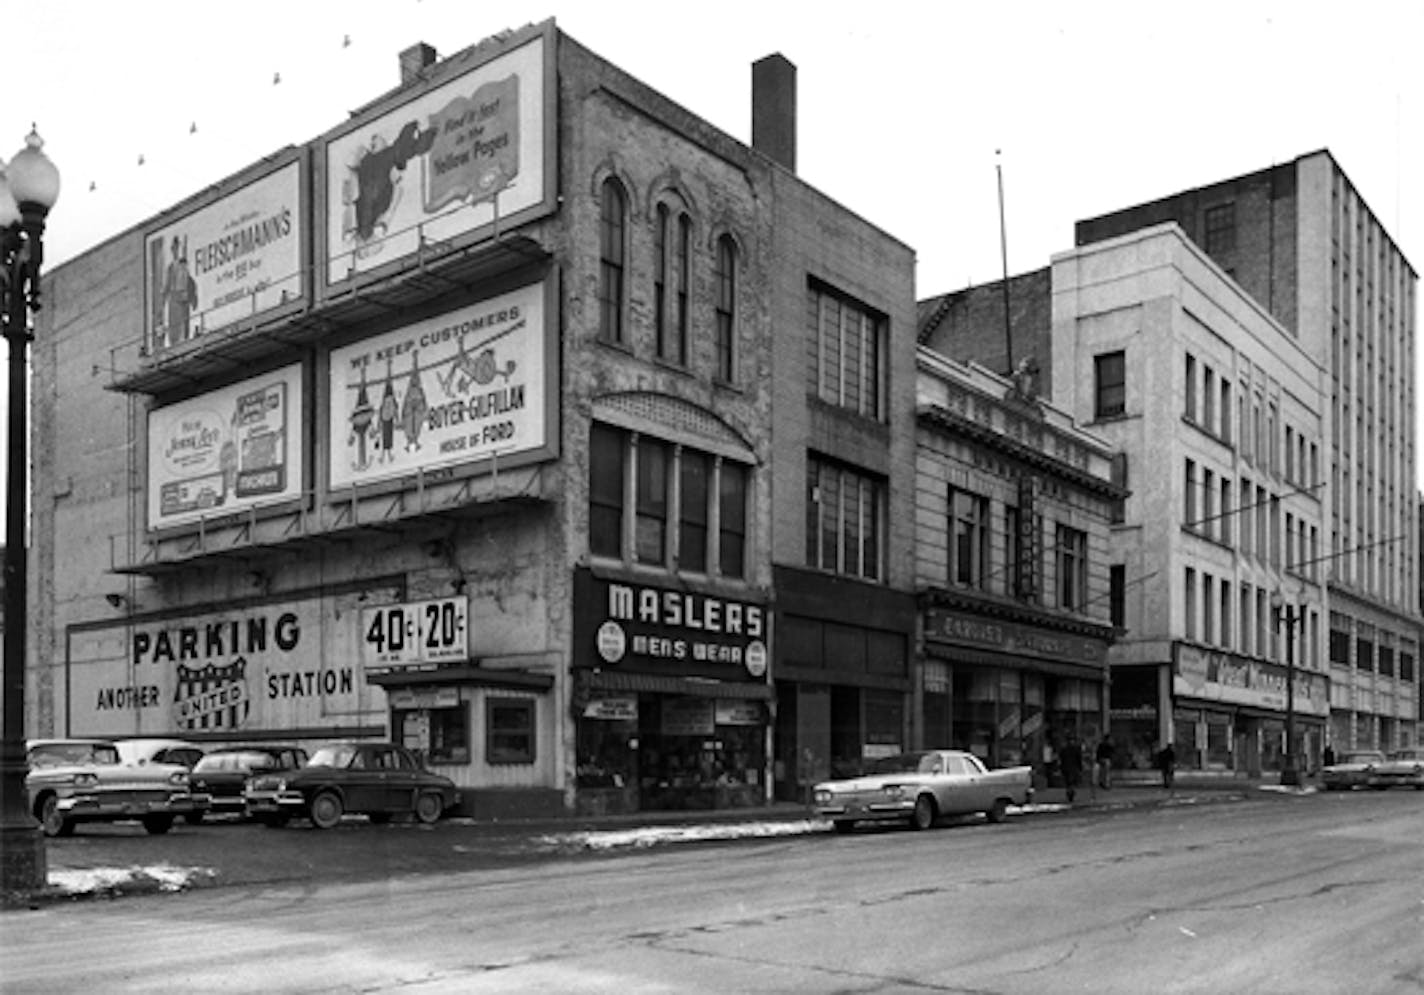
column 128, row 806
column 1397, row 781
column 260, row 802
column 866, row 810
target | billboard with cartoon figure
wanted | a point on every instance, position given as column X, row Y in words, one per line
column 463, row 386
column 226, row 451
column 455, row 160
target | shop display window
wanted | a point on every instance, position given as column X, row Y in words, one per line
column 437, row 735
column 509, row 731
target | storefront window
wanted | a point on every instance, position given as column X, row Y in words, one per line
column 509, row 731
column 697, row 753
column 437, row 735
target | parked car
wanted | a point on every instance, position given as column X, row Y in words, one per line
column 920, row 788
column 378, row 780
column 1352, row 769
column 222, row 773
column 1404, row 768
column 84, row 780
column 140, row 750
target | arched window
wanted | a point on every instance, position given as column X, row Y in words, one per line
column 672, row 275
column 726, row 277
column 613, row 233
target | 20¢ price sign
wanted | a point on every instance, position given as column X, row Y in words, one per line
column 415, row 633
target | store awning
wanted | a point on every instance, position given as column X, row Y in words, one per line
column 983, row 658
column 467, row 674
column 617, row 680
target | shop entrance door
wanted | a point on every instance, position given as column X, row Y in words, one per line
column 813, row 738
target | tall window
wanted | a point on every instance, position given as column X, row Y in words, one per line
column 1189, row 606
column 612, row 241
column 1072, row 558
column 683, row 312
column 606, row 460
column 844, row 512
column 845, row 353
column 662, row 221
column 726, row 277
column 1110, row 384
column 968, row 538
column 1220, row 225
column 650, row 537
column 1190, row 408
column 1117, row 594
column 694, row 480
column 672, row 498
column 1208, row 398
column 732, row 520
column 1226, row 410
column 1189, row 493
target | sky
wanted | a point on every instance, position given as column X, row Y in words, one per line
column 909, row 110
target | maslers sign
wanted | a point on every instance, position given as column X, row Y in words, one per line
column 648, row 629
column 287, row 667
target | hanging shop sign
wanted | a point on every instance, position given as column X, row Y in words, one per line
column 237, row 258
column 651, row 629
column 416, row 634
column 1212, row 675
column 285, row 667
column 448, row 168
column 466, row 386
column 226, row 451
column 620, row 709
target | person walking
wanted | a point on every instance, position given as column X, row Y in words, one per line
column 1104, row 757
column 1070, row 763
column 1167, row 764
column 1328, row 760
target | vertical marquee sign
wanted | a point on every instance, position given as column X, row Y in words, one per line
column 448, row 166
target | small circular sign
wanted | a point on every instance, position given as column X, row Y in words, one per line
column 756, row 658
column 612, row 643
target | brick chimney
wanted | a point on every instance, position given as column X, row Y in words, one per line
column 774, row 109
column 414, row 59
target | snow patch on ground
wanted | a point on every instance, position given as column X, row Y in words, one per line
column 612, row 839
column 155, row 877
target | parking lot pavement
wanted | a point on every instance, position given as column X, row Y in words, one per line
column 111, row 860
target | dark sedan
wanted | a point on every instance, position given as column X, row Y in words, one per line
column 378, row 780
column 221, row 774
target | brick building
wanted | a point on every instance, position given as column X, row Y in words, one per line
column 524, row 418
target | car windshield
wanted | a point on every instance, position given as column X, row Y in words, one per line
column 339, row 755
column 1367, row 757
column 237, row 760
column 906, row 763
column 60, row 754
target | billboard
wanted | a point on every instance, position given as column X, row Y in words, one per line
column 234, row 259
column 227, row 450
column 463, row 386
column 443, row 166
column 289, row 667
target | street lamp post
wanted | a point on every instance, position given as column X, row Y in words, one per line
column 1290, row 614
column 29, row 187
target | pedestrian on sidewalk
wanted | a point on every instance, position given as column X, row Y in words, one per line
column 1328, row 760
column 1070, row 763
column 1104, row 757
column 1167, row 764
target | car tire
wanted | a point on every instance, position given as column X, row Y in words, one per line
column 923, row 817
column 998, row 811
column 51, row 820
column 327, row 810
column 157, row 825
column 844, row 826
column 428, row 808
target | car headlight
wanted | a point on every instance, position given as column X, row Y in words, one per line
column 179, row 779
column 85, row 779
column 894, row 790
column 822, row 797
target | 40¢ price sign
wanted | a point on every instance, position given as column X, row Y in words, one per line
column 414, row 633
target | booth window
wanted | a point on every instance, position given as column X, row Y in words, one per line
column 439, row 735
column 509, row 731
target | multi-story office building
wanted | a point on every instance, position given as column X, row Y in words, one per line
column 517, row 418
column 1301, row 240
column 1013, row 508
column 1216, row 412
